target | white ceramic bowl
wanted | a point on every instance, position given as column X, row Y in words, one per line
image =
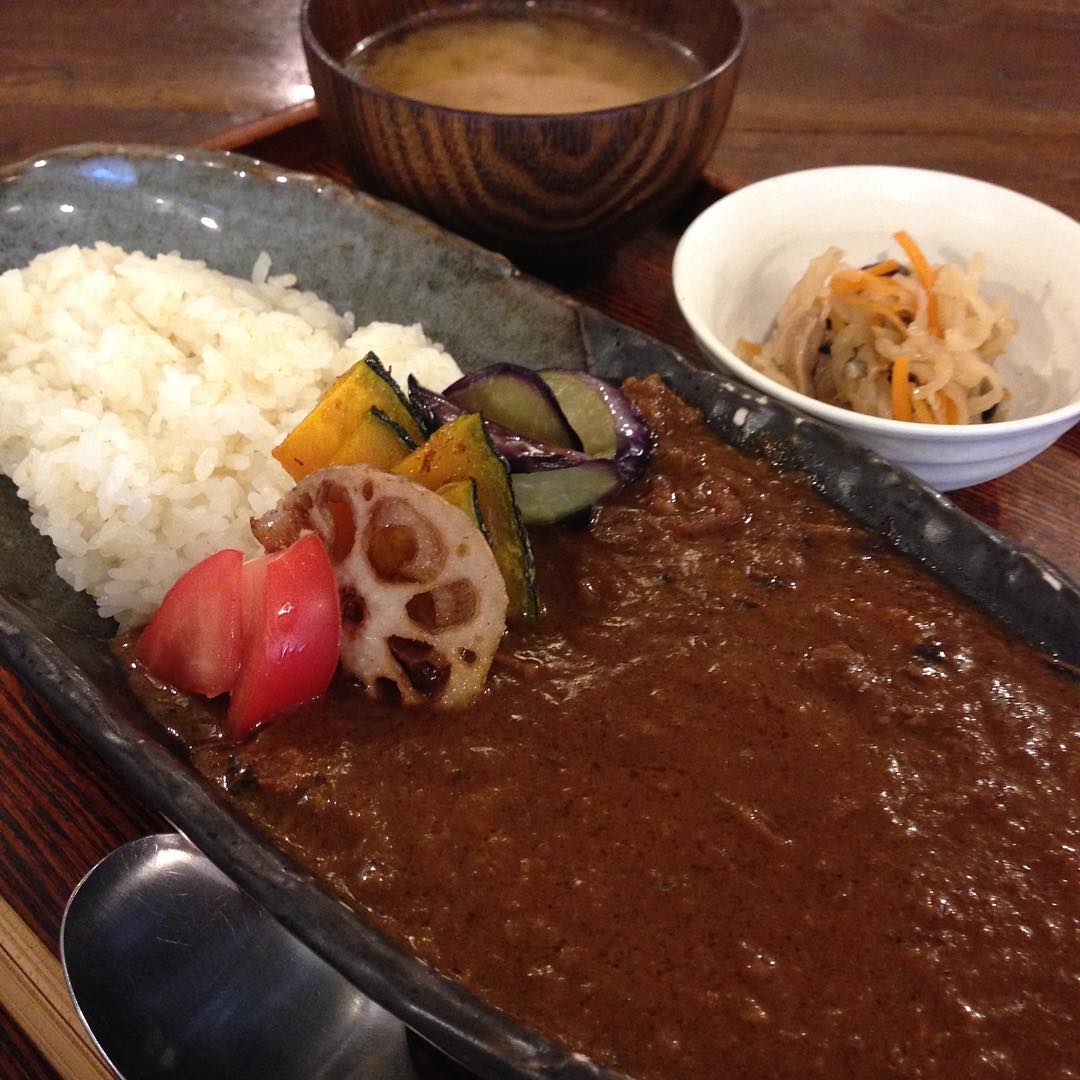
column 737, row 262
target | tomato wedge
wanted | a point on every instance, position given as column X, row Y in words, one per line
column 267, row 631
column 291, row 633
column 194, row 641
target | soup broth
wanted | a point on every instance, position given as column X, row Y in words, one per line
column 524, row 60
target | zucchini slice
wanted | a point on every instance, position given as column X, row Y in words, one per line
column 462, row 450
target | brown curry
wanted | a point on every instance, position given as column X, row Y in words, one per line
column 755, row 797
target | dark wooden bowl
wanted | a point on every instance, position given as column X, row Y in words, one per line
column 548, row 186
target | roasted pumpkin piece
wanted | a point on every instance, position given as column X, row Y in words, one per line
column 462, row 450
column 315, row 441
column 376, row 440
column 464, row 495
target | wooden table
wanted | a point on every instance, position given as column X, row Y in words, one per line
column 972, row 86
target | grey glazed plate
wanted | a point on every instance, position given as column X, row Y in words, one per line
column 380, row 261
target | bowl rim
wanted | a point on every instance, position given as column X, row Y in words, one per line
column 731, row 60
column 836, row 414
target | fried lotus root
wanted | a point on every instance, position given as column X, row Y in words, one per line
column 423, row 604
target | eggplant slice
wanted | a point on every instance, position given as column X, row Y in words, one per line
column 518, row 399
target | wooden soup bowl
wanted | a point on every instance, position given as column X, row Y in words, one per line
column 547, row 186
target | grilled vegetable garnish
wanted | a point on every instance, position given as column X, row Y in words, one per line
column 518, row 399
column 548, row 493
column 465, row 495
column 461, row 450
column 423, row 605
column 319, row 439
column 605, row 419
column 436, row 410
column 491, row 423
column 376, row 440
column 551, row 481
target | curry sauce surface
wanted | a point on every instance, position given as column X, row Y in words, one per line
column 755, row 797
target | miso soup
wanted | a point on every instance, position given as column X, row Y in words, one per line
column 524, row 60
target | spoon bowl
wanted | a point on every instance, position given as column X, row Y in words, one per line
column 176, row 973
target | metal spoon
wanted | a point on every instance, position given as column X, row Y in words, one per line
column 176, row 973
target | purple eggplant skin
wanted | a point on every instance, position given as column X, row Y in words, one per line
column 571, row 483
column 516, row 398
column 606, row 420
column 552, row 483
column 436, row 410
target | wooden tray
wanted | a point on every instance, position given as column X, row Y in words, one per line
column 61, row 810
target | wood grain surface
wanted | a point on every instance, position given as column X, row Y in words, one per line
column 34, row 994
column 982, row 87
column 565, row 184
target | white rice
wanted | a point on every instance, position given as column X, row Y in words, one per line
column 140, row 399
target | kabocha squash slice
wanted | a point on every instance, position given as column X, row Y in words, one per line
column 376, row 440
column 464, row 495
column 316, row 440
column 462, row 450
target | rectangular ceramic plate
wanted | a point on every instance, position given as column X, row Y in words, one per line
column 382, row 262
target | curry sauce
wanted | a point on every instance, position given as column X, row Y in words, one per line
column 756, row 796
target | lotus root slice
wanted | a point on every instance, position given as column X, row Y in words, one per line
column 422, row 601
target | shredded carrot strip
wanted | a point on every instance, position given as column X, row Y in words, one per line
column 901, row 393
column 925, row 276
column 842, row 282
column 952, row 413
column 751, row 347
column 918, row 259
column 933, row 320
column 922, row 411
column 856, row 281
column 887, row 266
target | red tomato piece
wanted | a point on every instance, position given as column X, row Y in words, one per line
column 291, row 631
column 194, row 642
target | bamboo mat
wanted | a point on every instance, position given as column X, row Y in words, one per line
column 33, row 991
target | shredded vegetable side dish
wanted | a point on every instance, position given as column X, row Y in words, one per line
column 903, row 341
